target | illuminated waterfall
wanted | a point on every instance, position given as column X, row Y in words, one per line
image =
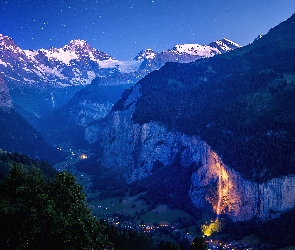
column 219, row 192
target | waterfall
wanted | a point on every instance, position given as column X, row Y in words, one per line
column 219, row 192
column 52, row 99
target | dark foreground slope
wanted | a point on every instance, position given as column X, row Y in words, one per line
column 42, row 209
column 241, row 103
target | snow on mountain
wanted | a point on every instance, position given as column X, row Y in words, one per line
column 121, row 66
column 224, row 45
column 185, row 53
column 146, row 54
column 212, row 49
column 195, row 50
column 64, row 56
column 77, row 63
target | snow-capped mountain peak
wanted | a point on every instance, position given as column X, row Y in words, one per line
column 78, row 42
column 6, row 43
column 185, row 53
column 147, row 53
column 77, row 45
column 224, row 45
column 76, row 63
column 193, row 49
column 217, row 47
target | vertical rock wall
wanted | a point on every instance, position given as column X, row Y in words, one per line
column 5, row 100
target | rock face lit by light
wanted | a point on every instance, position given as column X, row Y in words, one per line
column 240, row 199
column 231, row 195
column 223, row 187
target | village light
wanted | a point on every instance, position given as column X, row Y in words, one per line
column 83, row 156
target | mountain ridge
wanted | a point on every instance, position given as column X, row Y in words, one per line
column 65, row 66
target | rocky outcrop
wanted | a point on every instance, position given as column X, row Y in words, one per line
column 5, row 100
column 86, row 112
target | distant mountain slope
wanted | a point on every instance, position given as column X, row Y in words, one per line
column 17, row 135
column 67, row 124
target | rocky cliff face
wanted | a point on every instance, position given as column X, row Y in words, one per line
column 240, row 199
column 5, row 100
column 134, row 150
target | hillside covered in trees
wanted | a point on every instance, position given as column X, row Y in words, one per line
column 43, row 209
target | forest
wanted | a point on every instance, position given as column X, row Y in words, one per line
column 41, row 208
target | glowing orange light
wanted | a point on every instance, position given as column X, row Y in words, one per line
column 83, row 156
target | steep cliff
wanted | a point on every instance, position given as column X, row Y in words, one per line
column 5, row 99
column 134, row 149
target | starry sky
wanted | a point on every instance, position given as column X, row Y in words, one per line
column 122, row 28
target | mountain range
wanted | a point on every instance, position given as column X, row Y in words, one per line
column 192, row 127
column 42, row 82
column 77, row 63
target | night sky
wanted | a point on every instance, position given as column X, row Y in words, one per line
column 122, row 28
